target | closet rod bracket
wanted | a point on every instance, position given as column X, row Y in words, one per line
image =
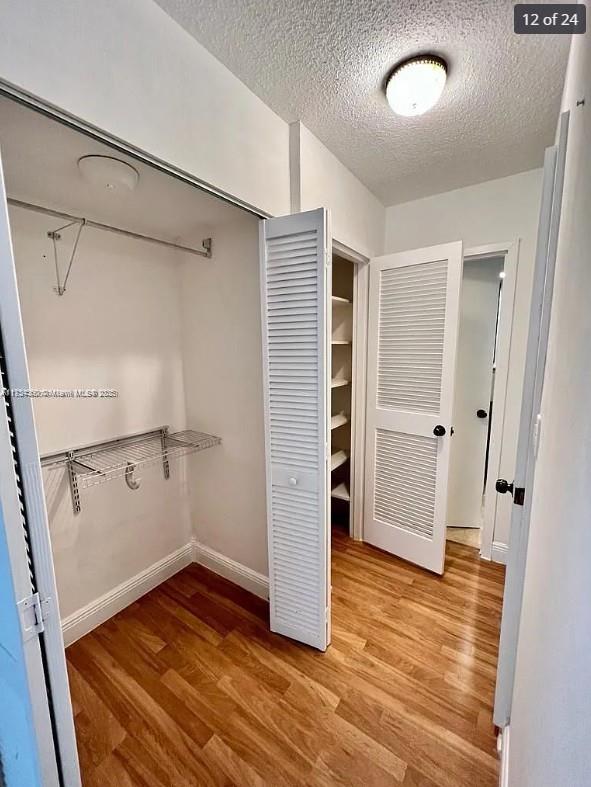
column 73, row 480
column 207, row 244
column 163, row 443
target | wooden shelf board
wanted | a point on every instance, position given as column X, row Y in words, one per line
column 337, row 382
column 338, row 458
column 341, row 341
column 338, row 299
column 340, row 419
column 341, row 492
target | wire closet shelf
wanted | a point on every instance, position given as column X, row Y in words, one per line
column 98, row 463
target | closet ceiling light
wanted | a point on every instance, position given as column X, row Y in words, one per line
column 108, row 173
column 415, row 85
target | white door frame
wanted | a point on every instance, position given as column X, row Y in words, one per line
column 510, row 252
column 409, row 544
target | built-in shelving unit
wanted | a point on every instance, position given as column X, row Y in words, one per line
column 342, row 370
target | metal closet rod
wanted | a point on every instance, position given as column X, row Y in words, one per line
column 204, row 252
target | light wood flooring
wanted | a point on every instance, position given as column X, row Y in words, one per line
column 187, row 687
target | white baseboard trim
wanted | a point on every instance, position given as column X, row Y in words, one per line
column 504, row 777
column 92, row 615
column 230, row 569
column 499, row 552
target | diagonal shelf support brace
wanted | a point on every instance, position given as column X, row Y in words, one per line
column 55, row 236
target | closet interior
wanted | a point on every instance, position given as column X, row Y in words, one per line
column 140, row 306
column 342, row 381
column 140, row 298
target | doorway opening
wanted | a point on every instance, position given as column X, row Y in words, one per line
column 474, row 398
column 341, row 397
column 348, row 332
column 143, row 348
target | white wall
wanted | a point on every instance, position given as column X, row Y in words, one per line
column 497, row 211
column 118, row 326
column 224, row 392
column 129, row 69
column 322, row 181
column 551, row 715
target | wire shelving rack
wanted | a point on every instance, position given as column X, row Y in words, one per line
column 95, row 464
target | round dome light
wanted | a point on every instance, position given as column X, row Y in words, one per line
column 415, row 85
column 108, row 173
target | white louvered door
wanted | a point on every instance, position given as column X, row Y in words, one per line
column 413, row 327
column 37, row 738
column 295, row 287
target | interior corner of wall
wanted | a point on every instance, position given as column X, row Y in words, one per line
column 295, row 164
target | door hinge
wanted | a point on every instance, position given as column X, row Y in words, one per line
column 33, row 611
column 519, row 495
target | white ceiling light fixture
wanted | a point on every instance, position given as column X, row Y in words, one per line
column 109, row 173
column 416, row 84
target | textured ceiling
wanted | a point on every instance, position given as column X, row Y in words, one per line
column 323, row 62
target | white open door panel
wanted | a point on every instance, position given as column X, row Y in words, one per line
column 27, row 752
column 25, row 522
column 413, row 327
column 529, row 424
column 295, row 289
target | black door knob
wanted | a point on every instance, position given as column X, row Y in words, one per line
column 481, row 413
column 439, row 430
column 503, row 486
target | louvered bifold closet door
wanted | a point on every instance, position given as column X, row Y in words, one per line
column 413, row 328
column 295, row 284
column 43, row 729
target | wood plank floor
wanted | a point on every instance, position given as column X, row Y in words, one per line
column 187, row 687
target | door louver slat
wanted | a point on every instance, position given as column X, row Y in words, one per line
column 399, row 475
column 411, row 328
